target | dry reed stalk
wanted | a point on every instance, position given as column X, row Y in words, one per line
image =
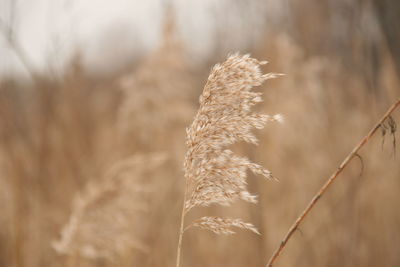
column 214, row 174
column 330, row 181
column 101, row 223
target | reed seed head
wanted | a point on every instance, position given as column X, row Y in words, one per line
column 214, row 174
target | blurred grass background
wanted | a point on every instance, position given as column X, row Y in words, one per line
column 342, row 60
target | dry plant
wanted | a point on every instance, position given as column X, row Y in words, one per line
column 214, row 174
column 55, row 135
column 354, row 153
column 102, row 223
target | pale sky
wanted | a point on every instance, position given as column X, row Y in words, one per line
column 111, row 33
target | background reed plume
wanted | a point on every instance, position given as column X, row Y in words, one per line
column 155, row 96
column 213, row 173
column 106, row 217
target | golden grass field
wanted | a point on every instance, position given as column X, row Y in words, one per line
column 105, row 155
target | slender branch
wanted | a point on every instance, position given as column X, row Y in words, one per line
column 328, row 183
column 8, row 34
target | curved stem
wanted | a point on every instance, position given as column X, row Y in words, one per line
column 328, row 183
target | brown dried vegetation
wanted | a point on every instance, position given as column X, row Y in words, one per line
column 67, row 141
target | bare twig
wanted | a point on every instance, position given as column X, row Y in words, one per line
column 9, row 36
column 329, row 182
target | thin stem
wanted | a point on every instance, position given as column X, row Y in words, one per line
column 328, row 183
column 181, row 229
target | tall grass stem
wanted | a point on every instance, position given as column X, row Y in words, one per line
column 328, row 183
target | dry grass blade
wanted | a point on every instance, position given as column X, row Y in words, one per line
column 213, row 173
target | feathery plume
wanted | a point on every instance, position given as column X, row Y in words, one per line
column 102, row 221
column 223, row 225
column 156, row 95
column 213, row 173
